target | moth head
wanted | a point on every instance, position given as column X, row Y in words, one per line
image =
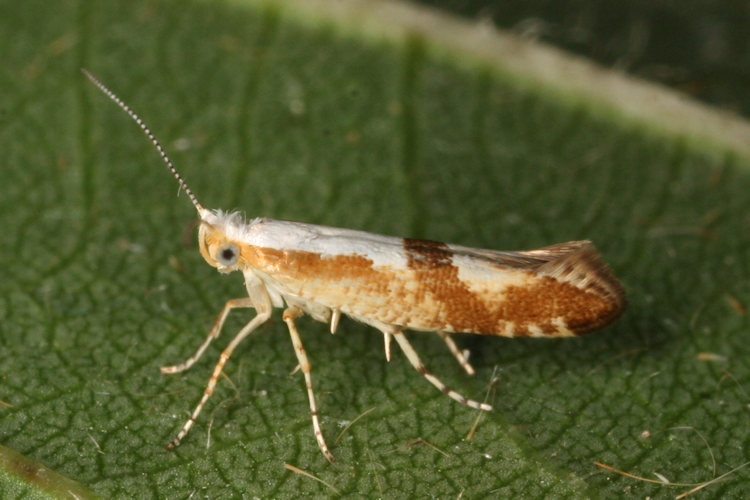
column 220, row 251
column 220, row 232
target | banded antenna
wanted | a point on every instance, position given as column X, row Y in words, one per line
column 154, row 141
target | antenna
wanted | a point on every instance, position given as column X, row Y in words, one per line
column 151, row 137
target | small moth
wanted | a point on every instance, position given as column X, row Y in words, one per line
column 392, row 284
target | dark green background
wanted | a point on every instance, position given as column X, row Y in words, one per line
column 697, row 47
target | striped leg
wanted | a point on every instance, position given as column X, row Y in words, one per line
column 413, row 358
column 214, row 333
column 304, row 364
column 263, row 314
column 463, row 360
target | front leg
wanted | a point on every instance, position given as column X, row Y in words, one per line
column 259, row 299
column 261, row 318
column 215, row 331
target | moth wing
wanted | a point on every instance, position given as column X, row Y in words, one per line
column 530, row 260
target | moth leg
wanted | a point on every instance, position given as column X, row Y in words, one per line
column 413, row 358
column 335, row 317
column 387, row 337
column 289, row 314
column 214, row 333
column 462, row 359
column 264, row 312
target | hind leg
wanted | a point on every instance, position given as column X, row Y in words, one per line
column 413, row 358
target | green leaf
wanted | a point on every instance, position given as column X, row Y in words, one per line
column 324, row 120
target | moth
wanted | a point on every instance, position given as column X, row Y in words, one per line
column 392, row 284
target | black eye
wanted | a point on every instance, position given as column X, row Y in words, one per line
column 227, row 255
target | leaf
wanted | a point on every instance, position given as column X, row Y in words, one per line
column 322, row 122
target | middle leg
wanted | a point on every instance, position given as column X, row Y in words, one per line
column 304, row 364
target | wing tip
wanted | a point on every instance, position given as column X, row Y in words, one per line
column 581, row 265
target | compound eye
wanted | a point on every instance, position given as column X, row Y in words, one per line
column 228, row 255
